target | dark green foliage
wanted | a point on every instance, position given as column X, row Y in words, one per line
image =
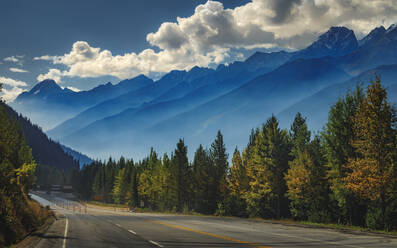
column 202, row 180
column 337, row 138
column 45, row 151
column 18, row 214
column 182, row 171
column 218, row 157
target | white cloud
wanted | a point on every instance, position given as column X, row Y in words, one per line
column 13, row 69
column 73, row 89
column 44, row 57
column 15, row 59
column 11, row 59
column 12, row 82
column 10, row 94
column 54, row 74
column 11, row 88
column 209, row 36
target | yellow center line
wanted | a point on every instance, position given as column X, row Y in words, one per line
column 210, row 234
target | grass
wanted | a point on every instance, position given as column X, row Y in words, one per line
column 347, row 227
column 108, row 205
column 282, row 221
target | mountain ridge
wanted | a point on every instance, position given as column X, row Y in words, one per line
column 204, row 100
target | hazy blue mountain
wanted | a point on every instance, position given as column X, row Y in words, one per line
column 376, row 52
column 234, row 98
column 47, row 104
column 373, row 36
column 131, row 99
column 337, row 41
column 177, row 94
column 234, row 112
column 234, row 104
column 317, row 114
column 81, row 158
column 45, row 151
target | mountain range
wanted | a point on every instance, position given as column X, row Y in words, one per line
column 133, row 115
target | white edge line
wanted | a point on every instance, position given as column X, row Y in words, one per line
column 132, row 232
column 118, row 225
column 155, row 243
column 66, row 233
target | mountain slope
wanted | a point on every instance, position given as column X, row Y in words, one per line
column 195, row 87
column 81, row 158
column 45, row 151
column 337, row 41
column 128, row 100
column 44, row 102
column 247, row 106
column 315, row 105
column 381, row 50
column 252, row 103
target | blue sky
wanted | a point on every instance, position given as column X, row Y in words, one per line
column 82, row 44
column 33, row 28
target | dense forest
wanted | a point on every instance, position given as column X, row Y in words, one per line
column 53, row 163
column 345, row 174
column 18, row 214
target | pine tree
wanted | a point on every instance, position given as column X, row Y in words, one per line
column 237, row 184
column 201, row 180
column 119, row 183
column 237, row 179
column 182, row 172
column 266, row 169
column 219, row 162
column 300, row 135
column 372, row 174
column 306, row 182
column 337, row 136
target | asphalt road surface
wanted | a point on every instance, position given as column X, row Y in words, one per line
column 78, row 226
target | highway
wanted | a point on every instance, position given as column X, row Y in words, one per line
column 95, row 227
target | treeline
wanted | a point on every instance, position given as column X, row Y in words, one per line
column 345, row 174
column 18, row 214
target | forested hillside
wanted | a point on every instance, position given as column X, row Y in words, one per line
column 53, row 163
column 346, row 174
column 18, row 214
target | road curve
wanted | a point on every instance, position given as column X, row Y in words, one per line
column 107, row 228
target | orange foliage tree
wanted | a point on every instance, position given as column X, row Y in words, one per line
column 372, row 173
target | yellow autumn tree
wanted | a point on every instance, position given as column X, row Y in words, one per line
column 372, row 174
column 299, row 185
column 237, row 178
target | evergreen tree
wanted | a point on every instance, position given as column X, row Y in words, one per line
column 237, row 179
column 237, row 185
column 202, row 180
column 182, row 172
column 132, row 192
column 307, row 185
column 219, row 162
column 171, row 189
column 300, row 135
column 372, row 174
column 337, row 136
column 266, row 170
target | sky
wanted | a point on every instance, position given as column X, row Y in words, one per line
column 81, row 44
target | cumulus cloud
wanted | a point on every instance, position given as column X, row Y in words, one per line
column 13, row 69
column 73, row 89
column 11, row 88
column 209, row 36
column 12, row 82
column 54, row 74
column 15, row 59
